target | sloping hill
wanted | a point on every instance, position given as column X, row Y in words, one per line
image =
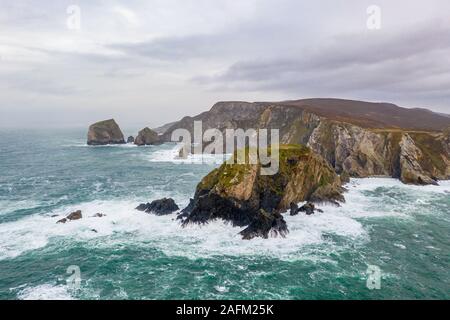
column 374, row 115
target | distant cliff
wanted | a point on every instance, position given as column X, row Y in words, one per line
column 360, row 138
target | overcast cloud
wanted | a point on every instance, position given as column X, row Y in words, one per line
column 148, row 62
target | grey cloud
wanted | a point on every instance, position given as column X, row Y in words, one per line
column 386, row 65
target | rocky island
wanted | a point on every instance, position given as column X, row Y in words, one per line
column 240, row 195
column 147, row 137
column 104, row 133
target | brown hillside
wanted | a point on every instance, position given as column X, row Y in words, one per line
column 374, row 115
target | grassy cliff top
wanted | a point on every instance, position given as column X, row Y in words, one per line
column 231, row 173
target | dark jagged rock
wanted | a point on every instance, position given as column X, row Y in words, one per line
column 265, row 226
column 99, row 215
column 309, row 209
column 240, row 195
column 130, row 139
column 143, row 206
column 71, row 217
column 186, row 211
column 294, row 209
column 105, row 132
column 147, row 137
column 75, row 215
column 159, row 207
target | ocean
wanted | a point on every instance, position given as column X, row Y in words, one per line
column 401, row 231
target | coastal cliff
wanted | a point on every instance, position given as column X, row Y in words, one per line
column 359, row 138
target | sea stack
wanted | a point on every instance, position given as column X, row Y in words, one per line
column 147, row 137
column 239, row 194
column 104, row 133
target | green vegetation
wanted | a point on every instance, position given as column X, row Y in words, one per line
column 432, row 151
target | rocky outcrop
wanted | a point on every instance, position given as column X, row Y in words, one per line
column 159, row 207
column 77, row 215
column 265, row 226
column 239, row 194
column 104, row 133
column 361, row 141
column 147, row 137
column 410, row 168
column 130, row 139
column 309, row 209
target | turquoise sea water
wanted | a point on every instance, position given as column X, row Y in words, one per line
column 44, row 175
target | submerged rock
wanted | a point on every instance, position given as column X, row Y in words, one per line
column 99, row 215
column 239, row 194
column 105, row 132
column 147, row 137
column 159, row 207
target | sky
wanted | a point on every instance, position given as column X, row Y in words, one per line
column 149, row 62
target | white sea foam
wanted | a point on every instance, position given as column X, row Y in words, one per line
column 172, row 155
column 307, row 233
column 85, row 145
column 45, row 292
column 8, row 206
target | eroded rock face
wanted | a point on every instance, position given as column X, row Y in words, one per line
column 147, row 137
column 363, row 144
column 105, row 132
column 239, row 194
column 159, row 207
column 411, row 170
column 413, row 157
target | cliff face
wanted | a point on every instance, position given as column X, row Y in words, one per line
column 105, row 132
column 238, row 193
column 412, row 155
